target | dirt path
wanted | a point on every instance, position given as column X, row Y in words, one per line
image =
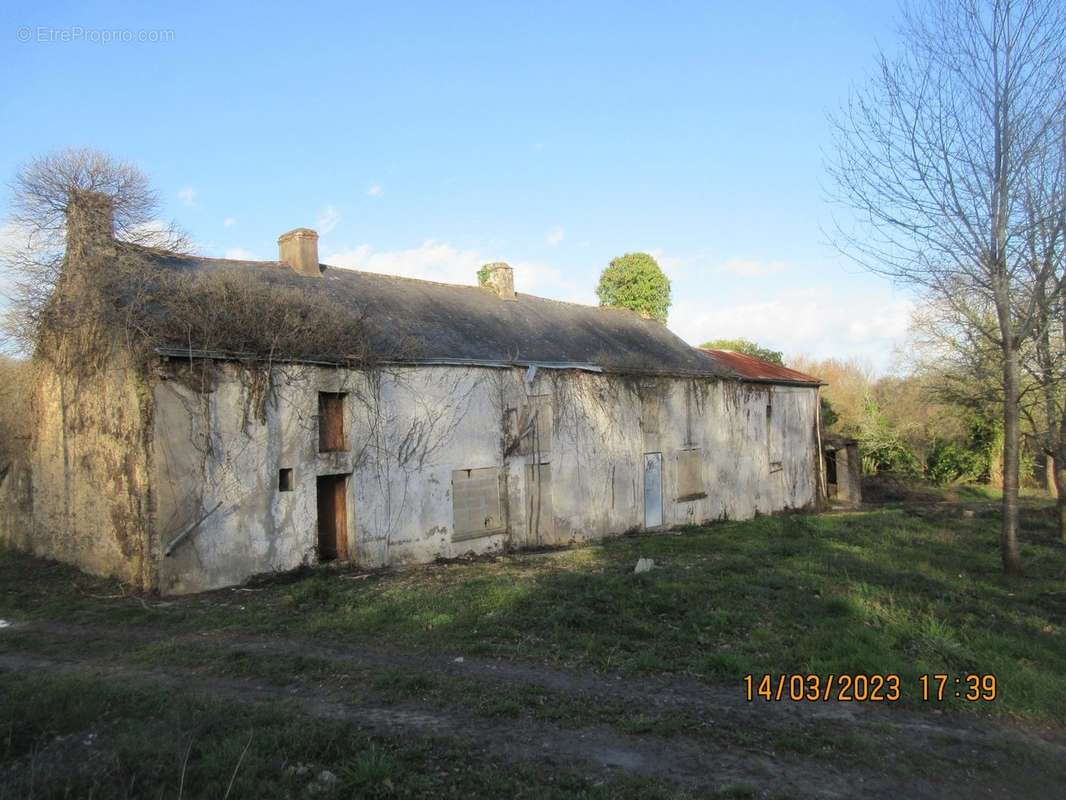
column 705, row 762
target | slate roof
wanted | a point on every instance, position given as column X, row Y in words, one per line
column 418, row 321
column 425, row 322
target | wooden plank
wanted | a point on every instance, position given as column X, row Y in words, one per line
column 330, row 422
column 340, row 518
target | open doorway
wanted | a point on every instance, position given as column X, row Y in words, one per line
column 332, row 518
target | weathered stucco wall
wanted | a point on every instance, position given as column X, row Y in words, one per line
column 16, row 502
column 426, row 445
column 85, row 498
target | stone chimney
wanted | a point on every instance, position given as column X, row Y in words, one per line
column 498, row 278
column 299, row 249
column 90, row 222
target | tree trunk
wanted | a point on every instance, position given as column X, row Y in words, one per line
column 1009, row 546
column 1051, row 480
column 1060, row 505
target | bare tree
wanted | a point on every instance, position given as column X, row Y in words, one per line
column 41, row 194
column 1045, row 204
column 934, row 156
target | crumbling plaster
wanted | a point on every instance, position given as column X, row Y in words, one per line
column 410, row 427
column 85, row 497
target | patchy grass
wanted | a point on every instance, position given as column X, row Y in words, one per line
column 383, row 686
column 81, row 737
column 907, row 590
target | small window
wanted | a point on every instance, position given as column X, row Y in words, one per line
column 331, row 429
column 285, row 480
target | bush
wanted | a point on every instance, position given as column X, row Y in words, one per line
column 636, row 282
column 949, row 462
column 883, row 448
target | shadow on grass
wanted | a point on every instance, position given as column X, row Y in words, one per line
column 871, row 592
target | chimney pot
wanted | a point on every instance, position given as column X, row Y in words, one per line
column 90, row 221
column 499, row 279
column 299, row 249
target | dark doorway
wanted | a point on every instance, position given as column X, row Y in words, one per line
column 831, row 467
column 332, row 518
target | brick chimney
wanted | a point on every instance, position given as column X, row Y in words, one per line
column 499, row 278
column 90, row 222
column 299, row 249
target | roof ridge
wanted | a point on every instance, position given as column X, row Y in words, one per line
column 160, row 252
column 389, row 275
column 464, row 321
column 393, row 276
column 402, row 277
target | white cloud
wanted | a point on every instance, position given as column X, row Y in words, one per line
column 438, row 261
column 229, row 222
column 328, row 219
column 555, row 236
column 240, row 254
column 750, row 268
column 374, row 191
column 187, row 195
column 667, row 263
column 817, row 322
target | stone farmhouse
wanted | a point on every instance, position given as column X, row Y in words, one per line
column 180, row 455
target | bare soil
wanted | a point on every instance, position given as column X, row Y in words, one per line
column 906, row 753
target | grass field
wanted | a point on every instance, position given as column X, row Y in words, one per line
column 907, row 590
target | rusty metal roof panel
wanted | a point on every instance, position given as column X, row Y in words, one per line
column 755, row 369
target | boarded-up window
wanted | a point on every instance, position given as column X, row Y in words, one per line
column 649, row 417
column 476, row 509
column 690, row 481
column 331, row 433
column 535, row 426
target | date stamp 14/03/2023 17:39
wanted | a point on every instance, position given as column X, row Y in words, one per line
column 876, row 688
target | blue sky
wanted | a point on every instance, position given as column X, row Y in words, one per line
column 425, row 139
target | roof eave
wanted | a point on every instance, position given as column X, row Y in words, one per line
column 782, row 382
column 224, row 355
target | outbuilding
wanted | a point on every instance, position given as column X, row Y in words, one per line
column 203, row 420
